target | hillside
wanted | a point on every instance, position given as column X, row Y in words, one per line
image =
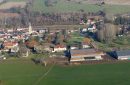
column 111, row 6
column 75, row 6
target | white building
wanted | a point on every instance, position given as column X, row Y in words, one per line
column 59, row 48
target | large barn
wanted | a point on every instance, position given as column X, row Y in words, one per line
column 86, row 55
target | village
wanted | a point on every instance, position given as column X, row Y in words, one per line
column 64, row 42
column 65, row 45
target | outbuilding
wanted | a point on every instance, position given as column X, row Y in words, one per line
column 123, row 55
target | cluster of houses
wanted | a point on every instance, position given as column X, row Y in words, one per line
column 85, row 52
column 90, row 23
column 10, row 37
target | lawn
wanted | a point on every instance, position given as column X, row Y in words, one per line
column 75, row 38
column 25, row 72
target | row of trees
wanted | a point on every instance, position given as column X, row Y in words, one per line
column 38, row 19
column 122, row 20
column 107, row 33
column 59, row 18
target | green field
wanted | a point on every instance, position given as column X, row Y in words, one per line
column 25, row 72
column 63, row 6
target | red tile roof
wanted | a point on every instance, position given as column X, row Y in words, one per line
column 9, row 44
column 59, row 46
column 9, row 15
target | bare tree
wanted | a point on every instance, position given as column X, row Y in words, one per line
column 100, row 35
column 107, row 33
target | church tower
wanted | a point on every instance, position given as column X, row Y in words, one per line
column 30, row 29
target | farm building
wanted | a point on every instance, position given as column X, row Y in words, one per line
column 123, row 55
column 86, row 54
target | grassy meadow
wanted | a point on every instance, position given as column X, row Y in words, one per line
column 25, row 72
column 63, row 6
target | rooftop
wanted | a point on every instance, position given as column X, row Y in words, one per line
column 8, row 15
column 123, row 52
column 6, row 44
column 85, row 52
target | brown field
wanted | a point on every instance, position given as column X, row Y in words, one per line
column 9, row 5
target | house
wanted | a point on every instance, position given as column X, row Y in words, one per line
column 74, row 47
column 88, row 21
column 91, row 21
column 86, row 55
column 10, row 45
column 59, row 48
column 10, row 30
column 2, row 37
column 84, row 30
column 86, row 43
column 91, row 27
column 123, row 55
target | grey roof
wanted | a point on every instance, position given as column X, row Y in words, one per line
column 85, row 51
column 123, row 53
